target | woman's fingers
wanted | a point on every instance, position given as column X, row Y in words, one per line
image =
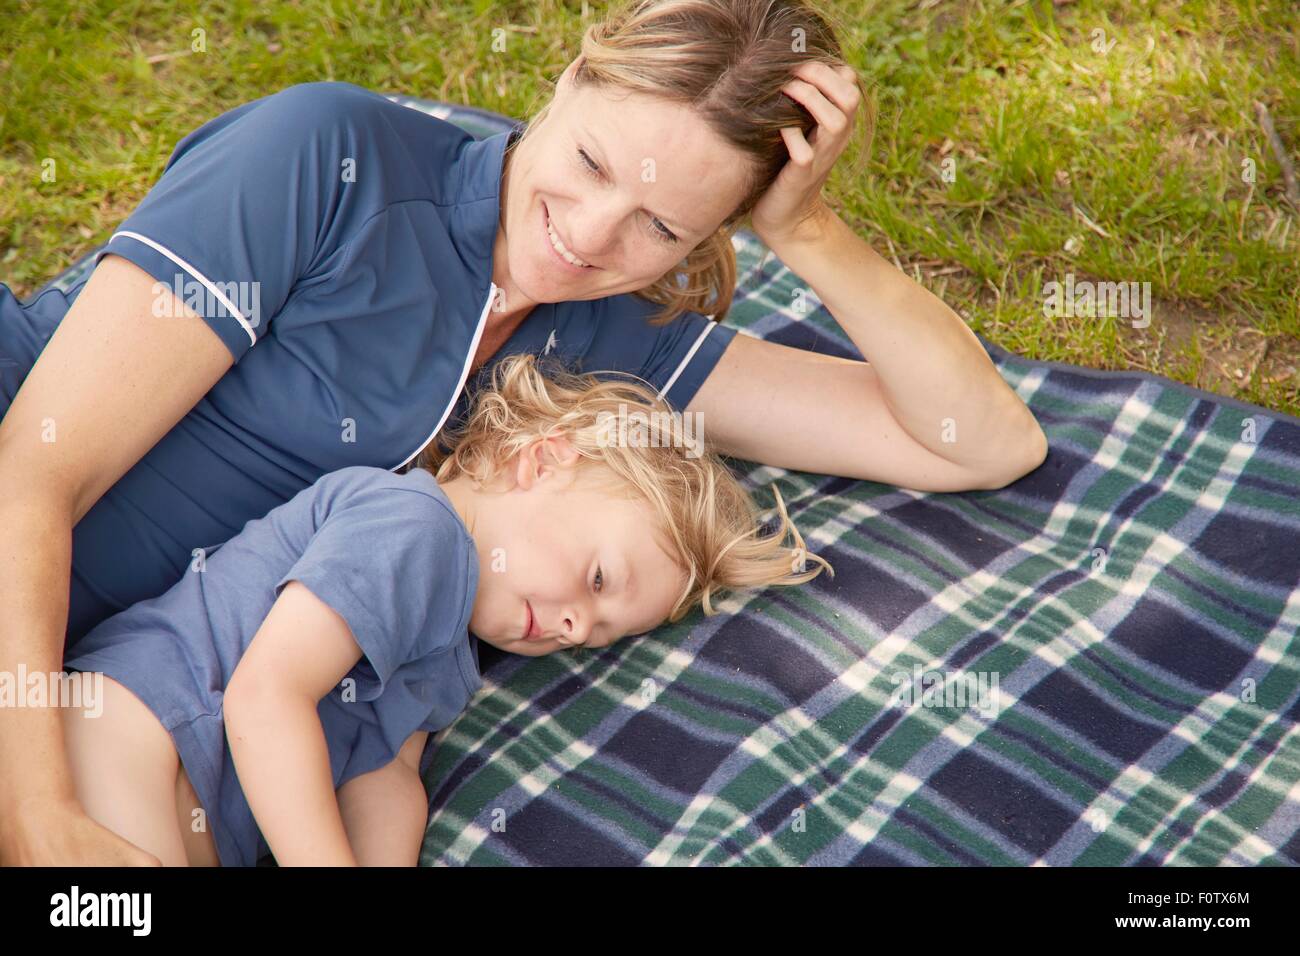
column 828, row 93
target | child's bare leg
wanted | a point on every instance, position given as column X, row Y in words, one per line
column 200, row 848
column 125, row 770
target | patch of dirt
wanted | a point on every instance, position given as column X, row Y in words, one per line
column 1283, row 360
column 1233, row 351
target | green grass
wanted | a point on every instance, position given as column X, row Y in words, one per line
column 1146, row 140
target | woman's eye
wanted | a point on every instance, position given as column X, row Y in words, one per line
column 657, row 229
column 599, row 576
column 663, row 233
column 591, row 167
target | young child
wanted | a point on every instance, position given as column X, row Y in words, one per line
column 278, row 696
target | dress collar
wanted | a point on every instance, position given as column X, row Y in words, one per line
column 476, row 202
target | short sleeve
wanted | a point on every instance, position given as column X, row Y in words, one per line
column 684, row 353
column 250, row 203
column 390, row 562
column 675, row 357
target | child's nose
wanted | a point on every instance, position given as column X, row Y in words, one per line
column 575, row 628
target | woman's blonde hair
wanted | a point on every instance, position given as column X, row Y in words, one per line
column 727, row 60
column 635, row 446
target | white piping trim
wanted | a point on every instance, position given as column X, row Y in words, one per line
column 221, row 296
column 464, row 374
column 686, row 361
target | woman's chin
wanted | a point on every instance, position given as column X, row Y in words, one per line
column 551, row 284
column 546, row 281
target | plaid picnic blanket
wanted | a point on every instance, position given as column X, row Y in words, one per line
column 1097, row 665
column 1123, row 623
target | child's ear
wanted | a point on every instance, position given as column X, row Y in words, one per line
column 541, row 458
column 559, row 452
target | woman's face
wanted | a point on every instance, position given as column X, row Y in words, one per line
column 629, row 183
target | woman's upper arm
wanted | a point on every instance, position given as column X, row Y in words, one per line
column 118, row 373
column 113, row 379
column 793, row 408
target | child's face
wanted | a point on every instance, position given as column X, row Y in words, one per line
column 583, row 561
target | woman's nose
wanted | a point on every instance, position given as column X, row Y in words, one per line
column 593, row 229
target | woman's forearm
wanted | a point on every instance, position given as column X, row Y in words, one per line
column 35, row 567
column 280, row 755
column 936, row 377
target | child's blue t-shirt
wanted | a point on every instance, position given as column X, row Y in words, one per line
column 388, row 552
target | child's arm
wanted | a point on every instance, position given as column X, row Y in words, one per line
column 385, row 811
column 299, row 654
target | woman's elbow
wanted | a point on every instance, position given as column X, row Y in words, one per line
column 1035, row 455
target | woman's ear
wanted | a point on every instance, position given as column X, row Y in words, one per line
column 565, row 81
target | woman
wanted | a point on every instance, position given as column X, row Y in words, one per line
column 358, row 261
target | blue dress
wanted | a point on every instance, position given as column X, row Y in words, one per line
column 388, row 552
column 340, row 245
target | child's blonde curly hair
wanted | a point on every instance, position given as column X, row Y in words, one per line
column 702, row 510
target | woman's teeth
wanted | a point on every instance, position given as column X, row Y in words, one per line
column 558, row 246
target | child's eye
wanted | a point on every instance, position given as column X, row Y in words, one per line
column 657, row 229
column 599, row 576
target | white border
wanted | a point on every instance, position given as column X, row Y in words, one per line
column 686, row 361
column 464, row 374
column 220, row 296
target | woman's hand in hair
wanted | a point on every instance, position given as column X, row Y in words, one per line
column 793, row 206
